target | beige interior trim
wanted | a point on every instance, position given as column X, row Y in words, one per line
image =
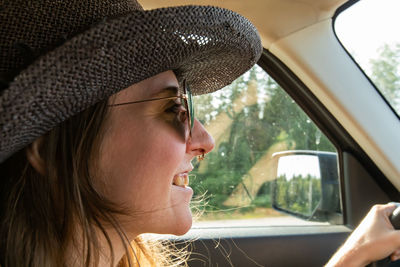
column 315, row 55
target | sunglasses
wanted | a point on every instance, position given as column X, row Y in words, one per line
column 186, row 98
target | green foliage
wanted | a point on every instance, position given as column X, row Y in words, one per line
column 300, row 132
column 299, row 194
column 386, row 74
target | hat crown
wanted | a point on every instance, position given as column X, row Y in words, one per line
column 30, row 28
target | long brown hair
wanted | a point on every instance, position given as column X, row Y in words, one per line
column 40, row 212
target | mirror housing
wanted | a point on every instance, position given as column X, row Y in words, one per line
column 318, row 173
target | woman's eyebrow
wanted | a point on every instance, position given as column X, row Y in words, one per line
column 170, row 90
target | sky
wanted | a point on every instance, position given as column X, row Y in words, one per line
column 367, row 25
column 294, row 165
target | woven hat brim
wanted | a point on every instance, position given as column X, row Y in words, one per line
column 208, row 47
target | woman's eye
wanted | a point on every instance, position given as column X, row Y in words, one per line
column 179, row 110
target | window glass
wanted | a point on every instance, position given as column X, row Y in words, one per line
column 369, row 31
column 268, row 153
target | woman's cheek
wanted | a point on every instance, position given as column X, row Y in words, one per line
column 180, row 128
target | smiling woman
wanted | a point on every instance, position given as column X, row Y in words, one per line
column 97, row 125
column 97, row 129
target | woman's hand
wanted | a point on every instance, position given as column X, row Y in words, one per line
column 374, row 239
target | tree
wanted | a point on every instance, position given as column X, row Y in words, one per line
column 386, row 73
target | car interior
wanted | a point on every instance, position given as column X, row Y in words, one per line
column 360, row 167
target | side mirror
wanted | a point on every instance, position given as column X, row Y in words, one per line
column 306, row 185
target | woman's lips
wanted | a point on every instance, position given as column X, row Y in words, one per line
column 181, row 180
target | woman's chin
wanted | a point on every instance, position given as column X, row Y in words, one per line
column 183, row 227
column 180, row 223
column 181, row 216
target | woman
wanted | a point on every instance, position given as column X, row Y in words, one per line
column 97, row 130
column 97, row 126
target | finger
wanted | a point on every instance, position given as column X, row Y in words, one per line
column 394, row 203
column 395, row 255
column 389, row 208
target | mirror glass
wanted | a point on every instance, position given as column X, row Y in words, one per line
column 298, row 184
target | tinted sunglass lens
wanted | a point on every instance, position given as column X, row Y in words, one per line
column 190, row 107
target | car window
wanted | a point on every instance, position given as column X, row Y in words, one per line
column 369, row 31
column 271, row 164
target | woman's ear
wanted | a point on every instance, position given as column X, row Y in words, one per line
column 34, row 158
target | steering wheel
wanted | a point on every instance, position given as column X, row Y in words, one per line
column 395, row 220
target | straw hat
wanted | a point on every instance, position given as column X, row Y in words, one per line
column 59, row 57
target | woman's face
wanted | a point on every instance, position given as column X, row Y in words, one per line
column 145, row 149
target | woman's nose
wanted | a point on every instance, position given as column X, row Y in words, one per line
column 201, row 141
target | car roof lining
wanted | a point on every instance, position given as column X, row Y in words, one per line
column 273, row 26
